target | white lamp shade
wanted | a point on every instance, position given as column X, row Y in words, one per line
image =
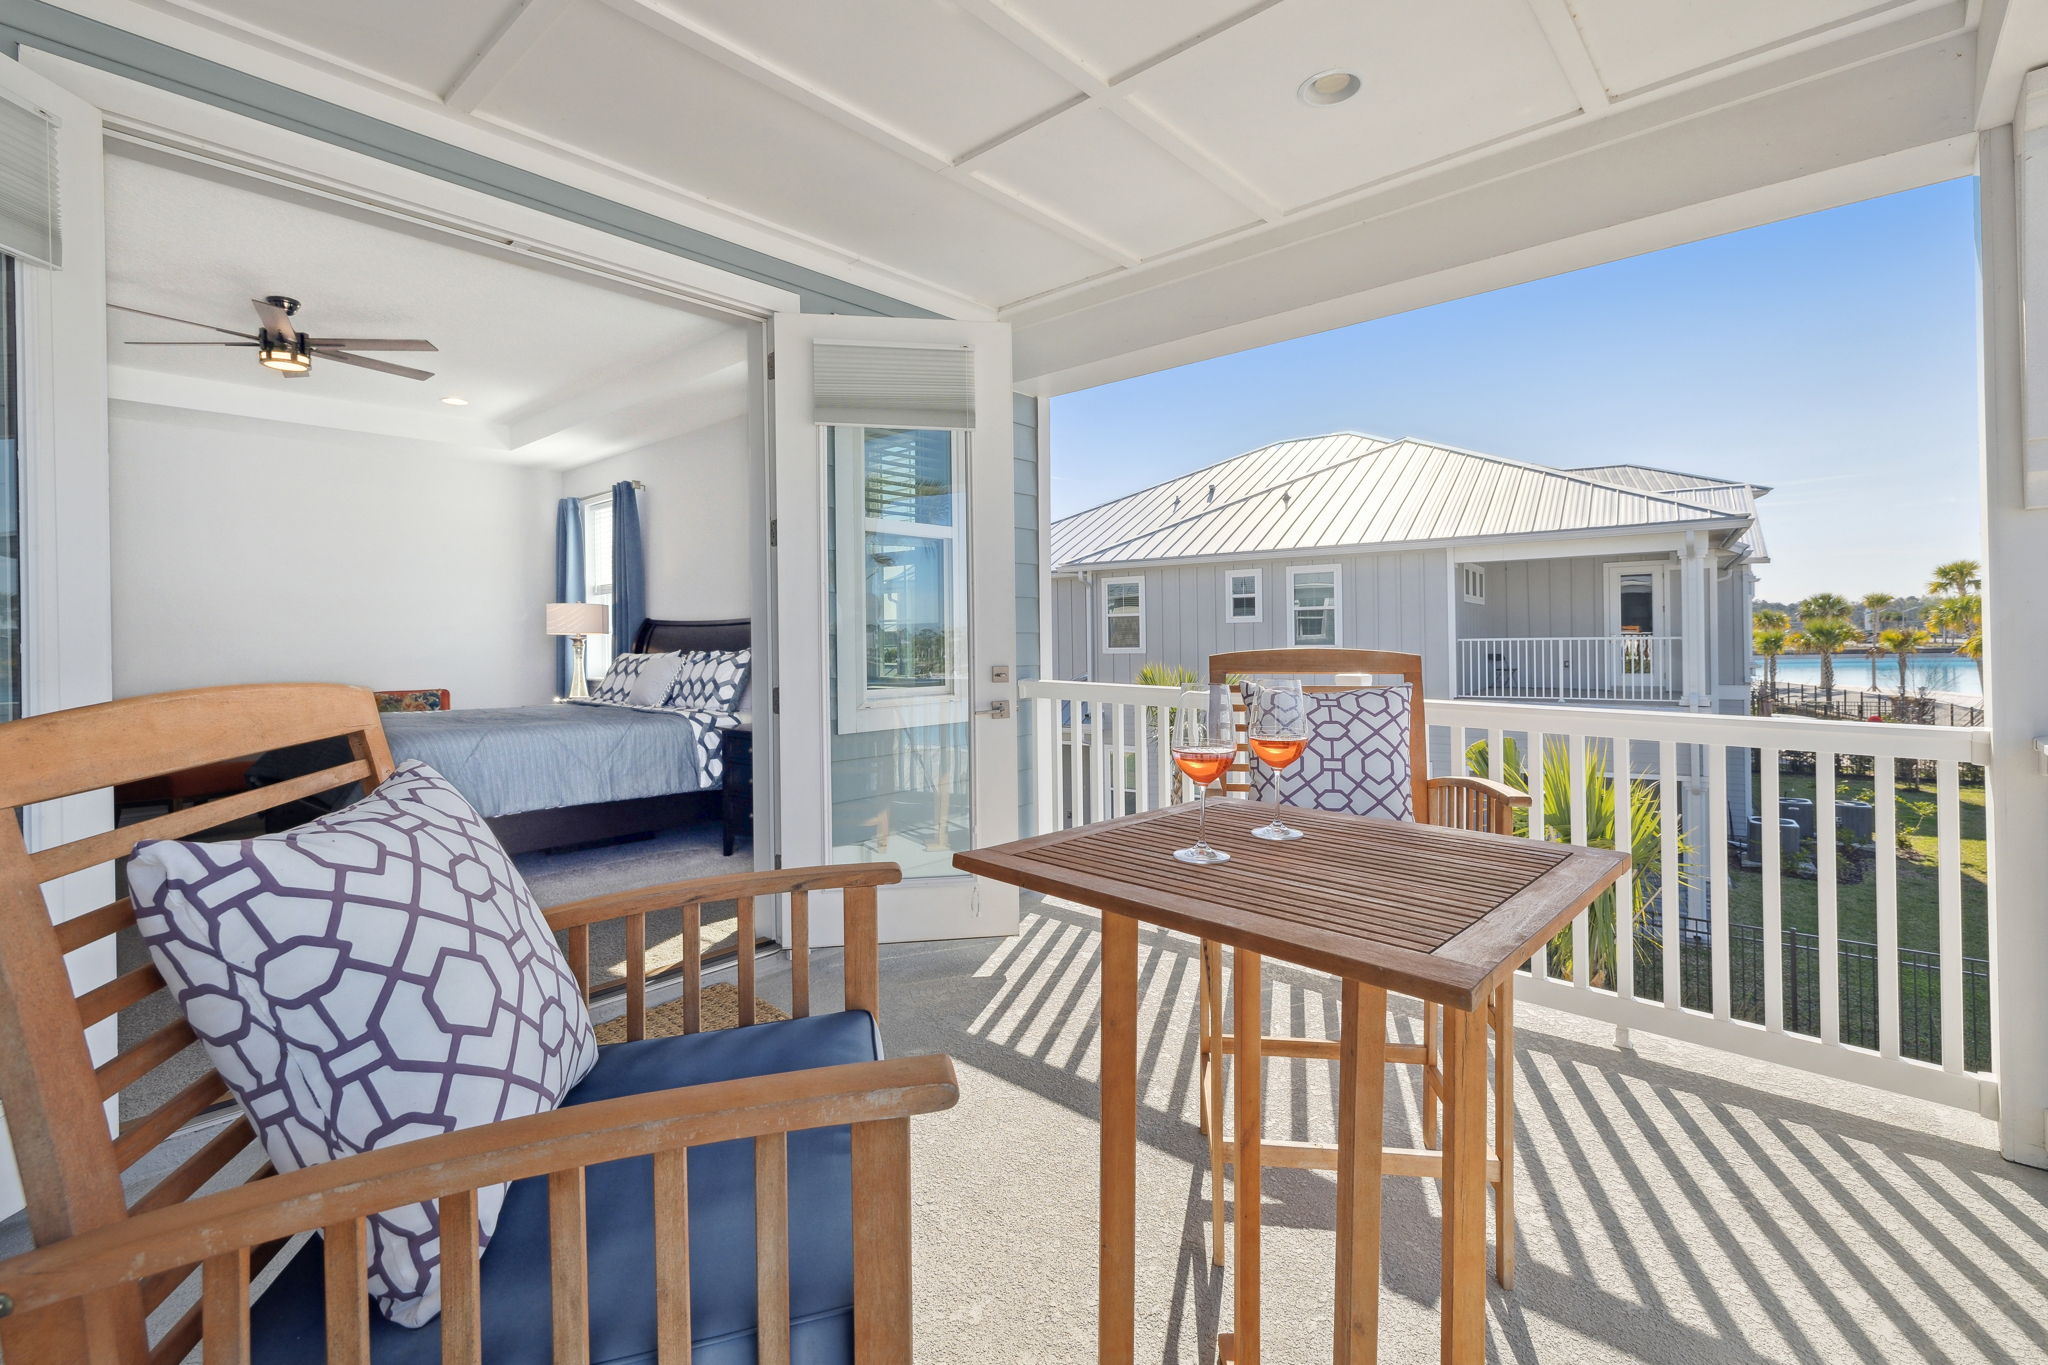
column 578, row 618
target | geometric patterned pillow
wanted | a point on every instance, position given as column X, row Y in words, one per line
column 711, row 680
column 1357, row 759
column 379, row 975
column 626, row 671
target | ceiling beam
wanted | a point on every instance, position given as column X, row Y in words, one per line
column 682, row 29
column 501, row 52
column 1568, row 44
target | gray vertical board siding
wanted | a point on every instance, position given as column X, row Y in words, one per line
column 1029, row 659
column 32, row 23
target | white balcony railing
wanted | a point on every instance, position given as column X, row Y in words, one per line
column 1572, row 668
column 1864, row 965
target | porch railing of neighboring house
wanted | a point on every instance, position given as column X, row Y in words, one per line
column 1847, row 944
column 1572, row 668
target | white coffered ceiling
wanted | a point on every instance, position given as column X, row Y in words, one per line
column 1040, row 158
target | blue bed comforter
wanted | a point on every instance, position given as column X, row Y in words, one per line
column 520, row 758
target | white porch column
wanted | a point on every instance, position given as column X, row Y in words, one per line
column 1694, row 565
column 2015, row 292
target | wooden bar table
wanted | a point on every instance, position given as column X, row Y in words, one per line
column 1440, row 914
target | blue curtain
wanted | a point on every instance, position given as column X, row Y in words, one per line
column 568, row 581
column 629, row 568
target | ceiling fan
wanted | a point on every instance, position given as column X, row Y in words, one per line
column 280, row 346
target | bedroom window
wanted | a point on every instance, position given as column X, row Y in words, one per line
column 1123, row 616
column 1240, row 597
column 597, row 577
column 1313, row 596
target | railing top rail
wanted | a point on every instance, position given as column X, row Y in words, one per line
column 1559, row 639
column 1887, row 739
column 1136, row 694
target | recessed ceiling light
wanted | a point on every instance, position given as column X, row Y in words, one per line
column 1329, row 87
column 452, row 401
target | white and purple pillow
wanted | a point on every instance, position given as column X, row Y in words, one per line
column 712, row 680
column 378, row 975
column 638, row 680
column 1358, row 757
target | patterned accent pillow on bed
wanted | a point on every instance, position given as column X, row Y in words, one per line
column 378, row 975
column 638, row 680
column 711, row 680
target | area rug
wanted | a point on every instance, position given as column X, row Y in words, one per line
column 718, row 1007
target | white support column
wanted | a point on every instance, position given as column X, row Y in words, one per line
column 1693, row 566
column 2014, row 252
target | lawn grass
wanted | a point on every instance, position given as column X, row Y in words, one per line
column 1919, row 895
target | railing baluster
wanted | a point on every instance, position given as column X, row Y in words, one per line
column 568, row 1267
column 1718, row 894
column 1770, row 877
column 1949, row 894
column 1670, row 894
column 1825, row 898
column 672, row 1255
column 1142, row 722
column 1582, row 924
column 1622, row 775
column 1885, row 796
column 1533, row 769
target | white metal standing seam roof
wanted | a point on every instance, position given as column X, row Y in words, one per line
column 1343, row 491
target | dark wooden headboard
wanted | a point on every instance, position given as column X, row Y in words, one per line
column 661, row 637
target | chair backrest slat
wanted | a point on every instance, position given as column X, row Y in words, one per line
column 771, row 1249
column 1328, row 663
column 462, row 1325
column 51, row 1087
column 347, row 1270
column 672, row 1255
column 224, row 1304
column 744, row 945
column 800, row 954
column 569, row 1267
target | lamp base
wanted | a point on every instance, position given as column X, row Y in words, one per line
column 579, row 684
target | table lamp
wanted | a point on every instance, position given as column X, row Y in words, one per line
column 578, row 620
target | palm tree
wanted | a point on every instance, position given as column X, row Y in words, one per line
column 1826, row 637
column 1957, row 576
column 1824, row 606
column 1769, row 618
column 1902, row 642
column 1962, row 614
column 1769, row 642
column 1874, row 605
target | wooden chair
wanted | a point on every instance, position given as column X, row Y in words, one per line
column 106, row 1257
column 1452, row 801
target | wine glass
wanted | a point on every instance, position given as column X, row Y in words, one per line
column 1204, row 757
column 1277, row 731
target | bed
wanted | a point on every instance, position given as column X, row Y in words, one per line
column 565, row 774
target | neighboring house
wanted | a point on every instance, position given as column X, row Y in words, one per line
column 1618, row 583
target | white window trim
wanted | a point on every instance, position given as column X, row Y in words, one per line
column 598, row 649
column 1258, row 578
column 1336, row 574
column 1103, row 612
column 1469, row 577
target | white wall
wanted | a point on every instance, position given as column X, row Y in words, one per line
column 696, row 519
column 249, row 551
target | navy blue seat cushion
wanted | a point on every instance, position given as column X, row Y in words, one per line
column 289, row 1320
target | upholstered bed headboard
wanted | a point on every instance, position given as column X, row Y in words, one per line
column 661, row 637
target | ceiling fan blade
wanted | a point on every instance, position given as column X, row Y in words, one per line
column 122, row 307
column 381, row 366
column 231, row 344
column 274, row 319
column 371, row 344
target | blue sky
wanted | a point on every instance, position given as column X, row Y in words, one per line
column 1833, row 357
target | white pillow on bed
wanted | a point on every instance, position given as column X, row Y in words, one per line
column 711, row 680
column 638, row 679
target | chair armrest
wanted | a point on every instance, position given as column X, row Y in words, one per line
column 1499, row 791
column 698, row 890
column 340, row 1192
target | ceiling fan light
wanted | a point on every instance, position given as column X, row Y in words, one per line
column 286, row 357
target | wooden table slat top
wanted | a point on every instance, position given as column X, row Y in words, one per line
column 1438, row 913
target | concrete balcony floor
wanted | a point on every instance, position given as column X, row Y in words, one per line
column 1677, row 1206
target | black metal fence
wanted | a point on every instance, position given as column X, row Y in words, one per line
column 1851, row 703
column 1800, row 959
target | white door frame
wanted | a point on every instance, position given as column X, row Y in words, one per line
column 1660, row 606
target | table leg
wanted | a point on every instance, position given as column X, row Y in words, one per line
column 1504, row 1133
column 1361, row 1128
column 1250, row 1131
column 1116, row 1288
column 1463, row 1302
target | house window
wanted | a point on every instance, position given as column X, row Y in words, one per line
column 1313, row 595
column 597, row 579
column 1123, row 615
column 1240, row 596
column 1473, row 578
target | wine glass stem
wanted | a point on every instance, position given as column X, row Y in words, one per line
column 1202, row 817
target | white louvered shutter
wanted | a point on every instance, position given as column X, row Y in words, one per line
column 29, row 226
column 866, row 384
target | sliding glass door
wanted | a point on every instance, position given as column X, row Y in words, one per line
column 10, row 500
